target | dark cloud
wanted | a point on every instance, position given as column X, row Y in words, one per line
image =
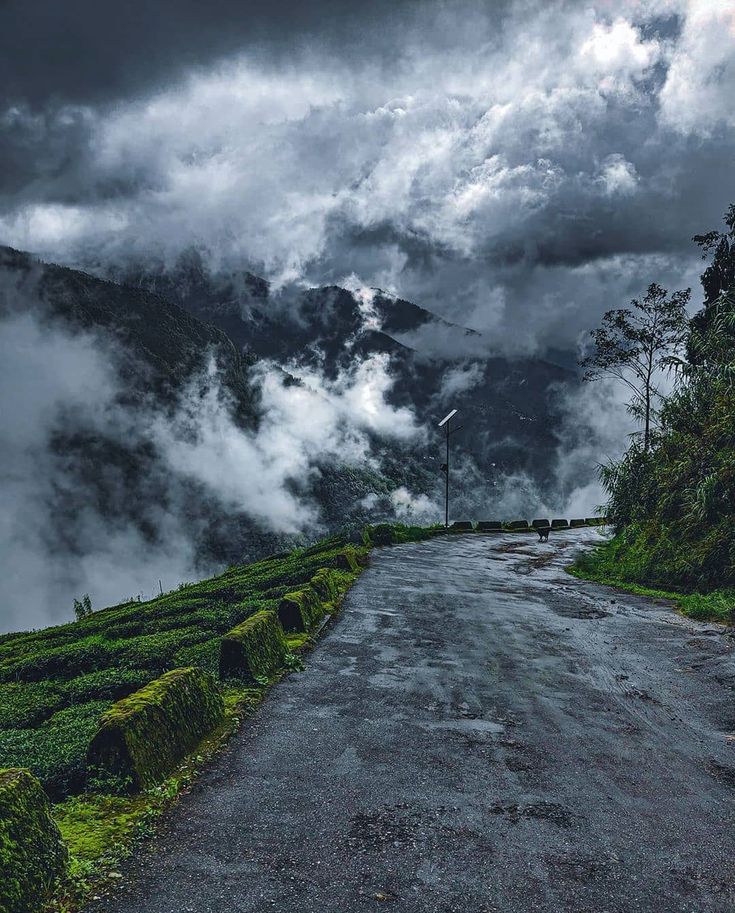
column 83, row 51
column 518, row 167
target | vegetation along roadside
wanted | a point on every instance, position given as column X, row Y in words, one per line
column 671, row 497
column 84, row 705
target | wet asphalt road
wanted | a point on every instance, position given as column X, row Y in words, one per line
column 477, row 732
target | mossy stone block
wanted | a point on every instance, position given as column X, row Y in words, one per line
column 325, row 584
column 518, row 525
column 32, row 854
column 347, row 560
column 592, row 521
column 145, row 735
column 490, row 526
column 575, row 524
column 254, row 649
column 540, row 524
column 301, row 609
column 462, row 526
column 560, row 524
column 381, row 534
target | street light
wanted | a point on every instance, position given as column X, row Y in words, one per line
column 444, row 423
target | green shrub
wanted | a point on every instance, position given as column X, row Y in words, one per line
column 32, row 853
column 254, row 649
column 142, row 737
column 56, row 751
column 66, row 661
column 29, row 704
column 156, row 651
column 204, row 656
column 107, row 684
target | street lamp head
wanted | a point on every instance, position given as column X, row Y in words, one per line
column 447, row 417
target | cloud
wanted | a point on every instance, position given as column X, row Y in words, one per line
column 700, row 80
column 105, row 495
column 502, row 152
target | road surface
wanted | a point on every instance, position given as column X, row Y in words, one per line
column 477, row 732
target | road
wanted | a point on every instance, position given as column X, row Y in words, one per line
column 477, row 732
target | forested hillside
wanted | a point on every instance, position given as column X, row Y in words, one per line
column 673, row 504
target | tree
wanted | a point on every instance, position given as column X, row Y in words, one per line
column 636, row 344
column 82, row 607
column 713, row 328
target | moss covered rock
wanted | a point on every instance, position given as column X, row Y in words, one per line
column 301, row 609
column 540, row 524
column 347, row 560
column 560, row 524
column 32, row 853
column 325, row 584
column 490, row 526
column 518, row 524
column 144, row 736
column 381, row 534
column 575, row 524
column 254, row 649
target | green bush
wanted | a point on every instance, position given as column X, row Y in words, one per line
column 27, row 705
column 254, row 649
column 32, row 853
column 107, row 684
column 56, row 751
column 66, row 661
column 142, row 737
column 204, row 656
column 156, row 651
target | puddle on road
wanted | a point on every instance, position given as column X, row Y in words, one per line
column 467, row 725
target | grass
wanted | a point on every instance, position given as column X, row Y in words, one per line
column 604, row 565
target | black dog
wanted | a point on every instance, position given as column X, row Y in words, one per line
column 543, row 533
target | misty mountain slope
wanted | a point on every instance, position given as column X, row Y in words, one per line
column 168, row 340
column 509, row 406
column 139, row 444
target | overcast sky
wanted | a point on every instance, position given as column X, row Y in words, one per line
column 516, row 166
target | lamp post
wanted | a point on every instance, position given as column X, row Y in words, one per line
column 448, row 432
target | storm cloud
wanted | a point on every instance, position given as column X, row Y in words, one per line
column 517, row 167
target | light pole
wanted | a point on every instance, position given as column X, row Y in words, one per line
column 444, row 423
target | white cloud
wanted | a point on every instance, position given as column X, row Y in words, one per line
column 618, row 176
column 700, row 81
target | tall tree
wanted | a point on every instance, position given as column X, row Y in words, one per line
column 636, row 344
column 713, row 328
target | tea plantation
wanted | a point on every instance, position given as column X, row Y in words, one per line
column 56, row 683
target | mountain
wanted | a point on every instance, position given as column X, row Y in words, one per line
column 189, row 351
column 509, row 407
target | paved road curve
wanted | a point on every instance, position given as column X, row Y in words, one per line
column 478, row 732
